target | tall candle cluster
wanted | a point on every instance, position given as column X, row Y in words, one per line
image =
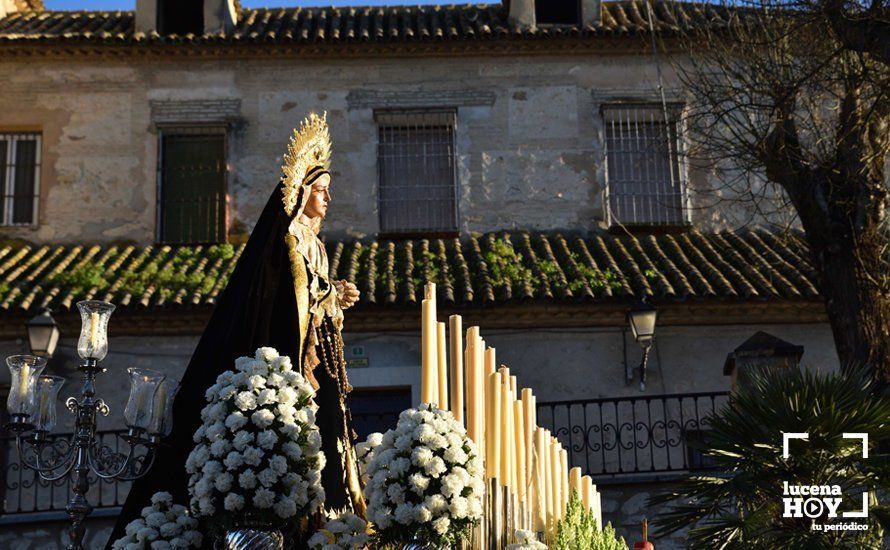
column 525, row 464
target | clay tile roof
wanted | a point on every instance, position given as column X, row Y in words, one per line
column 475, row 271
column 339, row 25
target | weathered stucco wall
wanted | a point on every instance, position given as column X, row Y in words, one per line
column 561, row 364
column 529, row 134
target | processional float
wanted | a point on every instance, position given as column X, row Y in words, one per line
column 528, row 480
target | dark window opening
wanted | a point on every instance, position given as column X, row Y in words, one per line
column 180, row 17
column 193, row 187
column 377, row 410
column 19, row 178
column 558, row 12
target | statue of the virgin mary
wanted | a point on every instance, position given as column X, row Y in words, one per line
column 279, row 295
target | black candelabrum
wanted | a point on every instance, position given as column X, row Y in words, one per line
column 32, row 408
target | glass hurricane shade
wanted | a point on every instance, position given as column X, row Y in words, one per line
column 93, row 342
column 45, row 402
column 642, row 323
column 162, row 408
column 43, row 334
column 24, row 371
column 143, row 387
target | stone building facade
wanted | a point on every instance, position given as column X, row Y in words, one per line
column 555, row 201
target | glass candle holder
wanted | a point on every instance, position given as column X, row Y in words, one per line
column 24, row 371
column 93, row 342
column 162, row 408
column 143, row 386
column 47, row 394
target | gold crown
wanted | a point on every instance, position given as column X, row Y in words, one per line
column 310, row 146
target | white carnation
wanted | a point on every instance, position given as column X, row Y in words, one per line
column 266, row 354
column 246, row 401
column 264, row 498
column 267, row 439
column 236, row 421
column 262, row 418
column 233, row 502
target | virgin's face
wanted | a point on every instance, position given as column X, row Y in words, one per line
column 319, row 197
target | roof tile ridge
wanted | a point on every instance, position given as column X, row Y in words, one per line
column 591, row 263
column 410, row 289
column 37, row 288
column 739, row 281
column 164, row 255
column 134, row 263
column 746, row 266
column 445, row 279
column 226, row 268
column 776, row 277
column 699, row 283
column 787, row 276
column 562, row 247
column 664, row 266
column 484, row 285
column 370, row 291
column 391, row 293
column 72, row 293
column 602, row 249
column 633, row 271
column 461, row 263
column 544, row 283
column 505, row 284
column 564, row 289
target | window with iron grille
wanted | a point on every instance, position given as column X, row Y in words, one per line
column 19, row 178
column 192, row 177
column 416, row 176
column 646, row 178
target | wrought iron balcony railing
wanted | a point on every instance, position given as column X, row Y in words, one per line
column 608, row 438
column 612, row 438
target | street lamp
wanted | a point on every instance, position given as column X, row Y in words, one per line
column 641, row 319
column 43, row 334
column 83, row 458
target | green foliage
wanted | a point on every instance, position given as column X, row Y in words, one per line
column 506, row 265
column 578, row 531
column 165, row 273
column 742, row 507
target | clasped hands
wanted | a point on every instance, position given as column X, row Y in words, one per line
column 348, row 294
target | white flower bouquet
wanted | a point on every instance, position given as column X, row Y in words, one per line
column 344, row 531
column 163, row 526
column 258, row 454
column 424, row 481
column 525, row 540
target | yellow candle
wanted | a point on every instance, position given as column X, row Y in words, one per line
column 513, row 385
column 597, row 507
column 539, row 464
column 94, row 331
column 44, row 401
column 457, row 368
column 493, row 428
column 160, row 403
column 429, row 393
column 575, row 482
column 556, row 479
column 482, row 377
column 490, row 364
column 519, row 437
column 587, row 492
column 564, row 477
column 528, row 421
column 25, row 378
column 442, row 362
column 505, row 433
column 475, row 387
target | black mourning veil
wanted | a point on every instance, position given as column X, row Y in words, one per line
column 257, row 308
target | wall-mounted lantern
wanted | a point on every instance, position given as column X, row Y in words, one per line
column 641, row 319
column 43, row 334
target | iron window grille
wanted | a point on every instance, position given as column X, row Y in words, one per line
column 192, row 188
column 417, row 190
column 645, row 171
column 19, row 178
